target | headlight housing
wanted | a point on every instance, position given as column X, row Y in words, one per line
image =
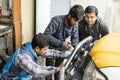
column 92, row 73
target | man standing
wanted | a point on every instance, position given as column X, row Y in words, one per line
column 23, row 64
column 60, row 28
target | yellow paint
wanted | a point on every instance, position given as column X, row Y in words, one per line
column 106, row 52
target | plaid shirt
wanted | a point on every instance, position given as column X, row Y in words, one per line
column 26, row 62
column 58, row 30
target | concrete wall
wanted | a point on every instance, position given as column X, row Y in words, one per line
column 42, row 15
column 27, row 12
column 115, row 23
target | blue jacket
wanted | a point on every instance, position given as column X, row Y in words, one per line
column 10, row 70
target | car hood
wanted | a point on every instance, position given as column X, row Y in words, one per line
column 106, row 51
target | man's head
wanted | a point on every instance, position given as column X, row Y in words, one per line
column 40, row 44
column 75, row 14
column 91, row 14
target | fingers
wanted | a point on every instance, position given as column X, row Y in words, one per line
column 60, row 66
column 67, row 45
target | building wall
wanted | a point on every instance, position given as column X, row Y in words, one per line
column 27, row 12
column 42, row 15
column 115, row 24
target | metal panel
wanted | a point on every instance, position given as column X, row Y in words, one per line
column 3, row 43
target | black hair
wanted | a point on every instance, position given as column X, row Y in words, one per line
column 91, row 9
column 77, row 12
column 39, row 40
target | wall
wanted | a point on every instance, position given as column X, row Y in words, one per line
column 116, row 16
column 27, row 12
column 42, row 15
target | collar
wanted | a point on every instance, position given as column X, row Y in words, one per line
column 32, row 52
column 66, row 21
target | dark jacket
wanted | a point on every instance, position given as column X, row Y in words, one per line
column 99, row 29
column 57, row 31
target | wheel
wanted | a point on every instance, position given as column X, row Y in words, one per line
column 66, row 72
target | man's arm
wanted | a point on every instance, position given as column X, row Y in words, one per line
column 27, row 64
column 50, row 32
column 104, row 29
column 75, row 36
column 51, row 53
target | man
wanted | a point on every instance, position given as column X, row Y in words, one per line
column 93, row 26
column 60, row 28
column 23, row 65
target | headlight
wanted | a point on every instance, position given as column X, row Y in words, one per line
column 92, row 73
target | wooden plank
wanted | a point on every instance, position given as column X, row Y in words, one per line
column 16, row 10
column 18, row 35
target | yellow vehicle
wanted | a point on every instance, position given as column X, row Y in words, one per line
column 105, row 59
column 105, row 64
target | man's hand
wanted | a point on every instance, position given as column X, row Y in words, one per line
column 60, row 66
column 66, row 45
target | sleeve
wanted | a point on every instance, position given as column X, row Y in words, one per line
column 51, row 53
column 75, row 36
column 27, row 64
column 104, row 28
column 51, row 30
